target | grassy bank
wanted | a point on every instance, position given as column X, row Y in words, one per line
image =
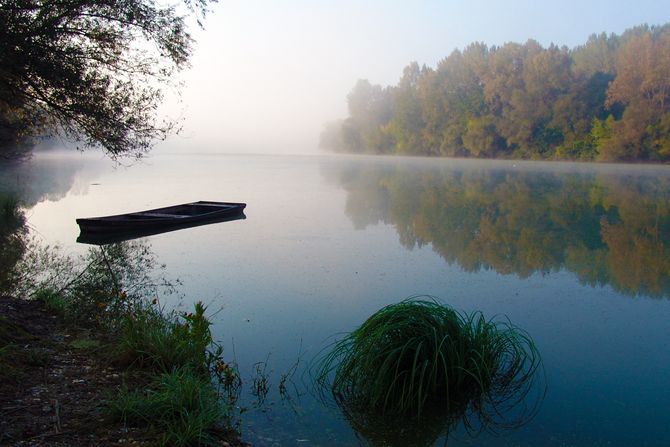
column 175, row 387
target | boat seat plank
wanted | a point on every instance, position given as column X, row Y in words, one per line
column 161, row 215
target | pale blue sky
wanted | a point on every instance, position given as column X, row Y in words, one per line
column 266, row 75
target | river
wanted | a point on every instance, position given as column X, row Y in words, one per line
column 578, row 255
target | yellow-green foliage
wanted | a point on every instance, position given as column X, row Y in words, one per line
column 523, row 101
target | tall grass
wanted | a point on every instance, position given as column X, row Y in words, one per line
column 180, row 406
column 175, row 364
column 150, row 338
column 419, row 358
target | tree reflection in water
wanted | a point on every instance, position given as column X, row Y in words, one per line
column 12, row 240
column 606, row 227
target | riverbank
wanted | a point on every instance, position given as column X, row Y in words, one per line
column 56, row 382
column 60, row 385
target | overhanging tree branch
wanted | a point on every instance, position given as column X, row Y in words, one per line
column 93, row 70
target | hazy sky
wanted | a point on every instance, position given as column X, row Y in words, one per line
column 266, row 75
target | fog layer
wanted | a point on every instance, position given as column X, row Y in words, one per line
column 266, row 76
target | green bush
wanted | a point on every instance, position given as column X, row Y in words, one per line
column 151, row 339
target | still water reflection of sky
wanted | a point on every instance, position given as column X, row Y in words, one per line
column 577, row 255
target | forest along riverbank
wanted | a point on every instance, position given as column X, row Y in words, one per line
column 92, row 359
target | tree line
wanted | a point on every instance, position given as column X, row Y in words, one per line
column 605, row 100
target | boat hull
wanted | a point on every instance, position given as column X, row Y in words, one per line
column 187, row 214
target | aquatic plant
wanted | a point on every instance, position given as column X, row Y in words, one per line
column 261, row 383
column 418, row 358
column 286, row 378
column 179, row 405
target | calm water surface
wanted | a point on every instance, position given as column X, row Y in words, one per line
column 578, row 255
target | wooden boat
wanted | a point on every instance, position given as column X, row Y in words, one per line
column 187, row 214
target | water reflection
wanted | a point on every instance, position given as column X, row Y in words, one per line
column 12, row 240
column 111, row 237
column 49, row 176
column 607, row 227
column 23, row 183
column 384, row 431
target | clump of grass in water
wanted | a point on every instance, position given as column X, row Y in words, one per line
column 419, row 357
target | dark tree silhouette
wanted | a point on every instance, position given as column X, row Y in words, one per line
column 93, row 71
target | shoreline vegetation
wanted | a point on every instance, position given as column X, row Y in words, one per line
column 88, row 355
column 606, row 100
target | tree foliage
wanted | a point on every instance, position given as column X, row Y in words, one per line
column 92, row 71
column 608, row 100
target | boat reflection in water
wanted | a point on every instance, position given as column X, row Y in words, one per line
column 123, row 227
